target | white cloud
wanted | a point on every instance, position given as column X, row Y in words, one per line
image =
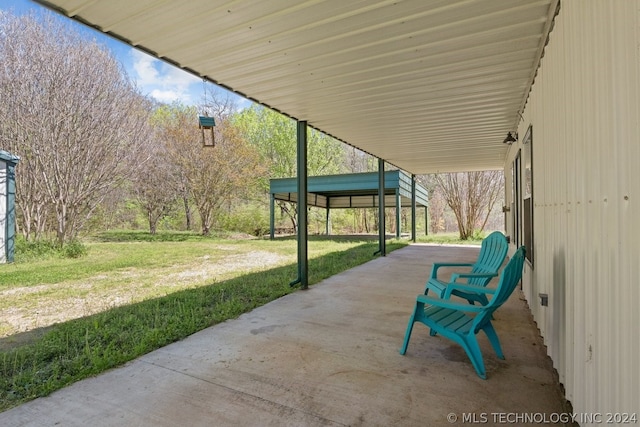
column 242, row 104
column 162, row 81
column 167, row 96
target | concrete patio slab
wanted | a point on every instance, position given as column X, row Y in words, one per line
column 327, row 356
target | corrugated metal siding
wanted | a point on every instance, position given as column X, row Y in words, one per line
column 585, row 113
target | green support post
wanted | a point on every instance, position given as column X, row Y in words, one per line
column 413, row 208
column 303, row 264
column 398, row 214
column 272, row 214
column 426, row 221
column 328, row 223
column 382, row 244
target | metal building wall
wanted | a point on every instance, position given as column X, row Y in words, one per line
column 584, row 109
column 3, row 210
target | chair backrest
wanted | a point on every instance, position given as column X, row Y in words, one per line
column 509, row 279
column 492, row 254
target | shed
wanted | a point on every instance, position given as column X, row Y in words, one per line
column 8, row 164
column 356, row 190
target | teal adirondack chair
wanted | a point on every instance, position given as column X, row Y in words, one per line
column 450, row 319
column 491, row 257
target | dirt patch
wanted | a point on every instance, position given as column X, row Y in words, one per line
column 240, row 236
column 26, row 310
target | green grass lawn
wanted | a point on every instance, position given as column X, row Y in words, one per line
column 65, row 319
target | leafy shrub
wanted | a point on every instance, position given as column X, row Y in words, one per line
column 26, row 250
column 29, row 250
column 74, row 249
column 478, row 235
column 252, row 220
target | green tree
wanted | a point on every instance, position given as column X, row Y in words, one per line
column 274, row 136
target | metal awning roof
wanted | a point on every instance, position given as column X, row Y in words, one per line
column 356, row 190
column 7, row 157
column 427, row 85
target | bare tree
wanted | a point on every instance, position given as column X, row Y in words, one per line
column 185, row 197
column 437, row 203
column 358, row 161
column 219, row 105
column 156, row 186
column 471, row 196
column 217, row 174
column 71, row 114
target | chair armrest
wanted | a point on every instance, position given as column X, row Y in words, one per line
column 436, row 266
column 455, row 276
column 449, row 304
column 466, row 288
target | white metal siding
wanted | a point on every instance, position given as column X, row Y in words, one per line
column 585, row 113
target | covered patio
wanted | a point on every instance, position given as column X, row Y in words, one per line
column 327, row 356
column 446, row 86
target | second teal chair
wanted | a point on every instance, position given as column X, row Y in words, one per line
column 461, row 322
column 491, row 257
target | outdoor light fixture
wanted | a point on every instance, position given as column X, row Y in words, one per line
column 510, row 139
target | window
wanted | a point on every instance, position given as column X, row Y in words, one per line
column 516, row 221
column 527, row 193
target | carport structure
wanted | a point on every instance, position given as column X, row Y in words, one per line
column 356, row 190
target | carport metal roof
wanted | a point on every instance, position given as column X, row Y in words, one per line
column 359, row 190
column 427, row 85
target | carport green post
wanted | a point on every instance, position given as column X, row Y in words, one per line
column 413, row 208
column 382, row 244
column 272, row 213
column 398, row 214
column 303, row 262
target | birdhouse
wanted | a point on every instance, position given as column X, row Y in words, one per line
column 207, row 123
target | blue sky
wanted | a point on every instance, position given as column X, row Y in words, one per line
column 154, row 78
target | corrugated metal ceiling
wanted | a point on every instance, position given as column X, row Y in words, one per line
column 427, row 85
